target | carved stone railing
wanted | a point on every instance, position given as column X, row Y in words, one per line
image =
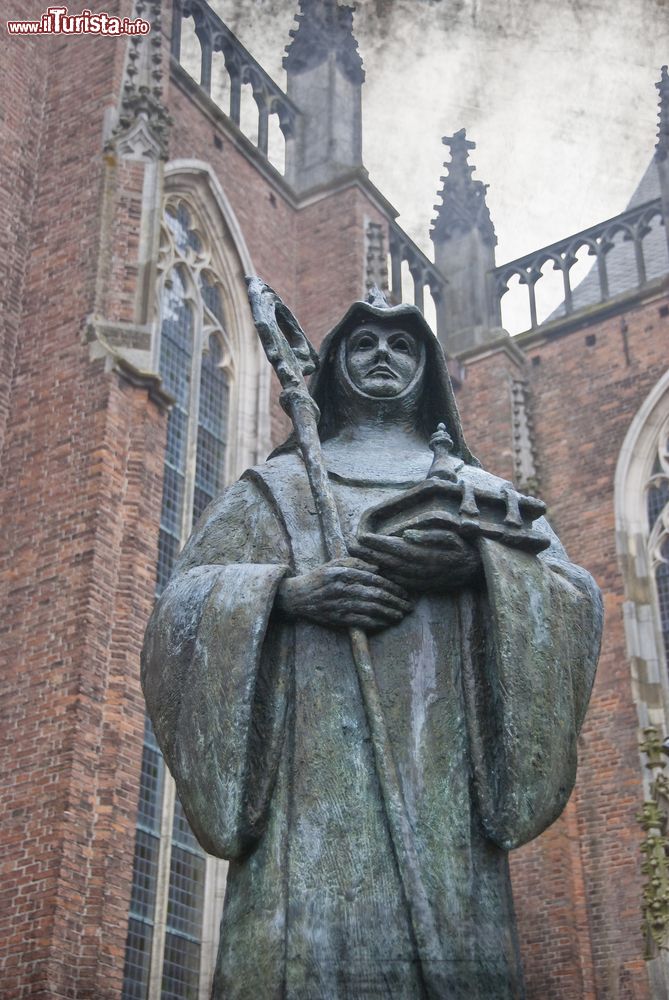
column 215, row 37
column 655, row 848
column 634, row 224
column 423, row 271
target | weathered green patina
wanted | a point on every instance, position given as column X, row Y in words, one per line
column 483, row 653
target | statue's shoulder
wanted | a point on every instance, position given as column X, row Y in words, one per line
column 258, row 488
column 253, row 491
column 283, row 474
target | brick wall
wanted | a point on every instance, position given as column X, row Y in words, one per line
column 578, row 887
column 484, row 401
column 82, row 464
column 23, row 78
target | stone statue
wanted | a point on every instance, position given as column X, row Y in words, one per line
column 366, row 736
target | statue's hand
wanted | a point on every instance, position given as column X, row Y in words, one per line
column 422, row 560
column 344, row 593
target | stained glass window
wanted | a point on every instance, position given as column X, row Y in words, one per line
column 176, row 356
column 658, row 524
column 178, row 219
column 145, row 870
column 212, row 427
column 137, row 960
column 211, row 295
column 165, row 928
column 187, row 872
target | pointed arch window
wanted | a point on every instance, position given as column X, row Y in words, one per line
column 177, row 890
column 642, row 544
column 657, row 499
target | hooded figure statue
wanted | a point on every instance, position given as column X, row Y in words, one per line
column 484, row 656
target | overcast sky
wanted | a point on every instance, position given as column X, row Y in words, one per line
column 558, row 95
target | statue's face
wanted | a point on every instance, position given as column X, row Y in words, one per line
column 381, row 360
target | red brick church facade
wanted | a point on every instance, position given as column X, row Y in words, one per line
column 131, row 388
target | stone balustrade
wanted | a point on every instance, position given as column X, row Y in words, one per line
column 634, row 225
column 215, row 37
column 423, row 271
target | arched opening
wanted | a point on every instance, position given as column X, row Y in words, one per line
column 207, row 354
column 191, row 51
column 642, row 536
column 407, row 283
column 655, row 250
column 430, row 309
column 220, row 82
column 248, row 116
column 549, row 290
column 514, row 306
column 657, row 503
column 276, row 148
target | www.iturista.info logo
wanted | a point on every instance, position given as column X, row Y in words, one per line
column 57, row 21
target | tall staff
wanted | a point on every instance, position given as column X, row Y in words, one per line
column 292, row 357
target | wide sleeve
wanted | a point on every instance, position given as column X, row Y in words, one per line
column 531, row 642
column 214, row 670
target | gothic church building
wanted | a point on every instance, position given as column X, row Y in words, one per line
column 133, row 201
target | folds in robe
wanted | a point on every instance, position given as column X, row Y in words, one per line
column 262, row 725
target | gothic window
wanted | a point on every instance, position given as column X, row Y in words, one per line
column 642, row 543
column 658, row 539
column 176, row 889
column 212, row 427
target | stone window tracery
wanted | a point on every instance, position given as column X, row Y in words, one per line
column 642, row 545
column 657, row 498
column 177, row 890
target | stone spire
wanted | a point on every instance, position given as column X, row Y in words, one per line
column 142, row 125
column 324, row 78
column 464, row 240
column 323, row 28
column 662, row 145
column 463, row 205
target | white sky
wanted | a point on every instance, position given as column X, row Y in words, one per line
column 558, row 95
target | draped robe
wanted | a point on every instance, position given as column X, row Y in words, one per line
column 262, row 725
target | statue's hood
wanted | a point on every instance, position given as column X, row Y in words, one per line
column 437, row 403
